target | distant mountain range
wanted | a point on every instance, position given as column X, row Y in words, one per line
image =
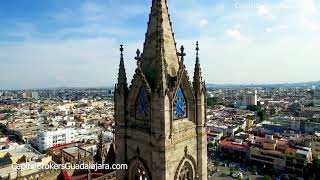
column 283, row 85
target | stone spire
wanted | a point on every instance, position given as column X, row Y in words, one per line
column 122, row 78
column 98, row 156
column 197, row 78
column 111, row 157
column 159, row 57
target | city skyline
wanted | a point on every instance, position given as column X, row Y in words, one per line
column 72, row 44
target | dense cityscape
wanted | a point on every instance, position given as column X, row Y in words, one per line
column 252, row 133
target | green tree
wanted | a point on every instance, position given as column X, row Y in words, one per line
column 311, row 93
column 7, row 116
column 267, row 178
column 41, row 109
column 4, row 111
column 252, row 108
column 212, row 101
column 210, row 145
column 263, row 115
column 273, row 111
column 316, row 168
column 232, row 169
column 216, row 163
column 223, row 175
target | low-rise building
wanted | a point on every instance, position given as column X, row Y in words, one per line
column 50, row 138
column 22, row 155
column 214, row 137
column 268, row 151
column 72, row 152
column 235, row 149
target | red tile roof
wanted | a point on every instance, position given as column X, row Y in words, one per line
column 291, row 150
column 229, row 144
column 283, row 142
column 56, row 149
column 60, row 146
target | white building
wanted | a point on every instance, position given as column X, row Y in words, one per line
column 47, row 139
column 35, row 95
column 26, row 95
column 250, row 99
column 227, row 130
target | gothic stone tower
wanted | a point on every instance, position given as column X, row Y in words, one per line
column 160, row 119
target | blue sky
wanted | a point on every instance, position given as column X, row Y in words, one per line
column 54, row 43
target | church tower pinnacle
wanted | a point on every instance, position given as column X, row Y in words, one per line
column 197, row 77
column 159, row 57
column 160, row 118
column 122, row 78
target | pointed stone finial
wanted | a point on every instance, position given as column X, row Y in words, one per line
column 197, row 55
column 122, row 77
column 138, row 53
column 197, row 78
column 138, row 57
column 182, row 53
column 121, row 49
column 197, row 50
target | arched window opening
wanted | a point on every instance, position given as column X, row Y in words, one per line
column 141, row 173
column 142, row 108
column 186, row 172
column 180, row 105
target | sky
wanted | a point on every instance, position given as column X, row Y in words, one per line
column 75, row 43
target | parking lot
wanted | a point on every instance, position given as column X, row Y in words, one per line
column 224, row 173
column 219, row 169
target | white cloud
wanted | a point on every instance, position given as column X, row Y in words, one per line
column 73, row 63
column 313, row 26
column 307, row 7
column 300, row 7
column 263, row 10
column 237, row 35
column 276, row 28
column 203, row 23
column 278, row 61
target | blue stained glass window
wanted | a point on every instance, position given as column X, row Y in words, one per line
column 180, row 105
column 142, row 105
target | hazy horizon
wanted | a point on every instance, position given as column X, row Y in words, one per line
column 112, row 86
column 50, row 44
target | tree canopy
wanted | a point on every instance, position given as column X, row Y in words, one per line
column 212, row 101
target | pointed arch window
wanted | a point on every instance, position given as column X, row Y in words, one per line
column 141, row 174
column 180, row 105
column 142, row 105
column 186, row 172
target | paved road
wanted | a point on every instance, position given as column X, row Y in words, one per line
column 226, row 170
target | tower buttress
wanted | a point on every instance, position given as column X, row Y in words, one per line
column 120, row 92
column 197, row 77
column 122, row 77
column 200, row 95
column 120, row 97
